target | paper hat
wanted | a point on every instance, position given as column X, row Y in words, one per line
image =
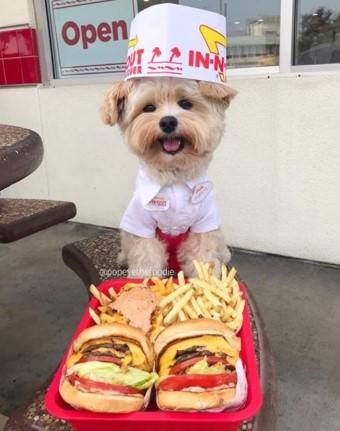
column 179, row 41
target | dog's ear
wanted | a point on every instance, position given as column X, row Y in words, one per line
column 219, row 92
column 114, row 102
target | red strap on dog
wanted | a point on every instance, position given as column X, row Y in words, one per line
column 173, row 242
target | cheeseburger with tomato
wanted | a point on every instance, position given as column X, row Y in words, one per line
column 199, row 367
column 109, row 370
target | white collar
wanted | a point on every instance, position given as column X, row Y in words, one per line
column 148, row 188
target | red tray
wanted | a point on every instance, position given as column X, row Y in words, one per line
column 153, row 419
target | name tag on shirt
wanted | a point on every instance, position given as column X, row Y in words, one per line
column 158, row 203
column 201, row 191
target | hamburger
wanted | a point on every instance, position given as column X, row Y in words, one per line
column 109, row 369
column 199, row 367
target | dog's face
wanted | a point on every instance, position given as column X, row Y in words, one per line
column 173, row 125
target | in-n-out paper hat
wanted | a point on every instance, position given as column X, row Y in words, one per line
column 178, row 41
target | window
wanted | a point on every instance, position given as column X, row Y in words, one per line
column 89, row 37
column 253, row 28
column 317, row 32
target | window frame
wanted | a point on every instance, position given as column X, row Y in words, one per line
column 285, row 66
column 308, row 68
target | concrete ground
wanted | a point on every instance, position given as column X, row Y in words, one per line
column 41, row 301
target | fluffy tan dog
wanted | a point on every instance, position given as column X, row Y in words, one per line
column 173, row 125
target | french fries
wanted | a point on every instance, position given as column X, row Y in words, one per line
column 204, row 296
column 169, row 318
column 162, row 287
column 94, row 316
column 176, row 293
column 105, row 313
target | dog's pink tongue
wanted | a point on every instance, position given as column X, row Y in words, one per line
column 171, row 144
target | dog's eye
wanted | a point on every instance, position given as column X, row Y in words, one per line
column 185, row 104
column 149, row 108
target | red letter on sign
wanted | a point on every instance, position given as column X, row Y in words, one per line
column 104, row 31
column 75, row 28
column 191, row 57
column 139, row 53
column 88, row 38
column 123, row 26
column 202, row 59
column 131, row 59
column 219, row 63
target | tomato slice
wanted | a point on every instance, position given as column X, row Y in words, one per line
column 100, row 358
column 89, row 385
column 205, row 381
column 181, row 366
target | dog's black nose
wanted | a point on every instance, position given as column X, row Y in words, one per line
column 168, row 124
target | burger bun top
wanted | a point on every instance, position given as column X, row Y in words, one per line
column 195, row 328
column 115, row 330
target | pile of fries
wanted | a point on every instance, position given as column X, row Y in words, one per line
column 203, row 296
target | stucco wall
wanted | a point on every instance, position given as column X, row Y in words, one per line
column 14, row 12
column 276, row 173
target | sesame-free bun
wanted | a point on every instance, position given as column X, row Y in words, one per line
column 100, row 403
column 115, row 330
column 194, row 401
column 195, row 328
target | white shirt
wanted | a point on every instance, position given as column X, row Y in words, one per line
column 173, row 209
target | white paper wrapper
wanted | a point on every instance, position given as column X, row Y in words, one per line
column 178, row 41
column 241, row 391
column 147, row 397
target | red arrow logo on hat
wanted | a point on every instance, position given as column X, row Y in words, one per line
column 156, row 53
column 175, row 53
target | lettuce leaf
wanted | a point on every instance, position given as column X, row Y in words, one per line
column 112, row 373
column 202, row 367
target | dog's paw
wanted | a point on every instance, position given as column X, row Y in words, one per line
column 217, row 267
column 188, row 269
column 226, row 255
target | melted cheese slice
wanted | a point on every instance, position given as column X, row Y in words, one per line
column 135, row 359
column 138, row 357
column 73, row 359
column 212, row 343
column 156, row 326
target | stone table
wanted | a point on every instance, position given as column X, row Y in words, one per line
column 21, row 152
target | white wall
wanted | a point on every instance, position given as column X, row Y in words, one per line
column 14, row 12
column 278, row 170
column 276, row 173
